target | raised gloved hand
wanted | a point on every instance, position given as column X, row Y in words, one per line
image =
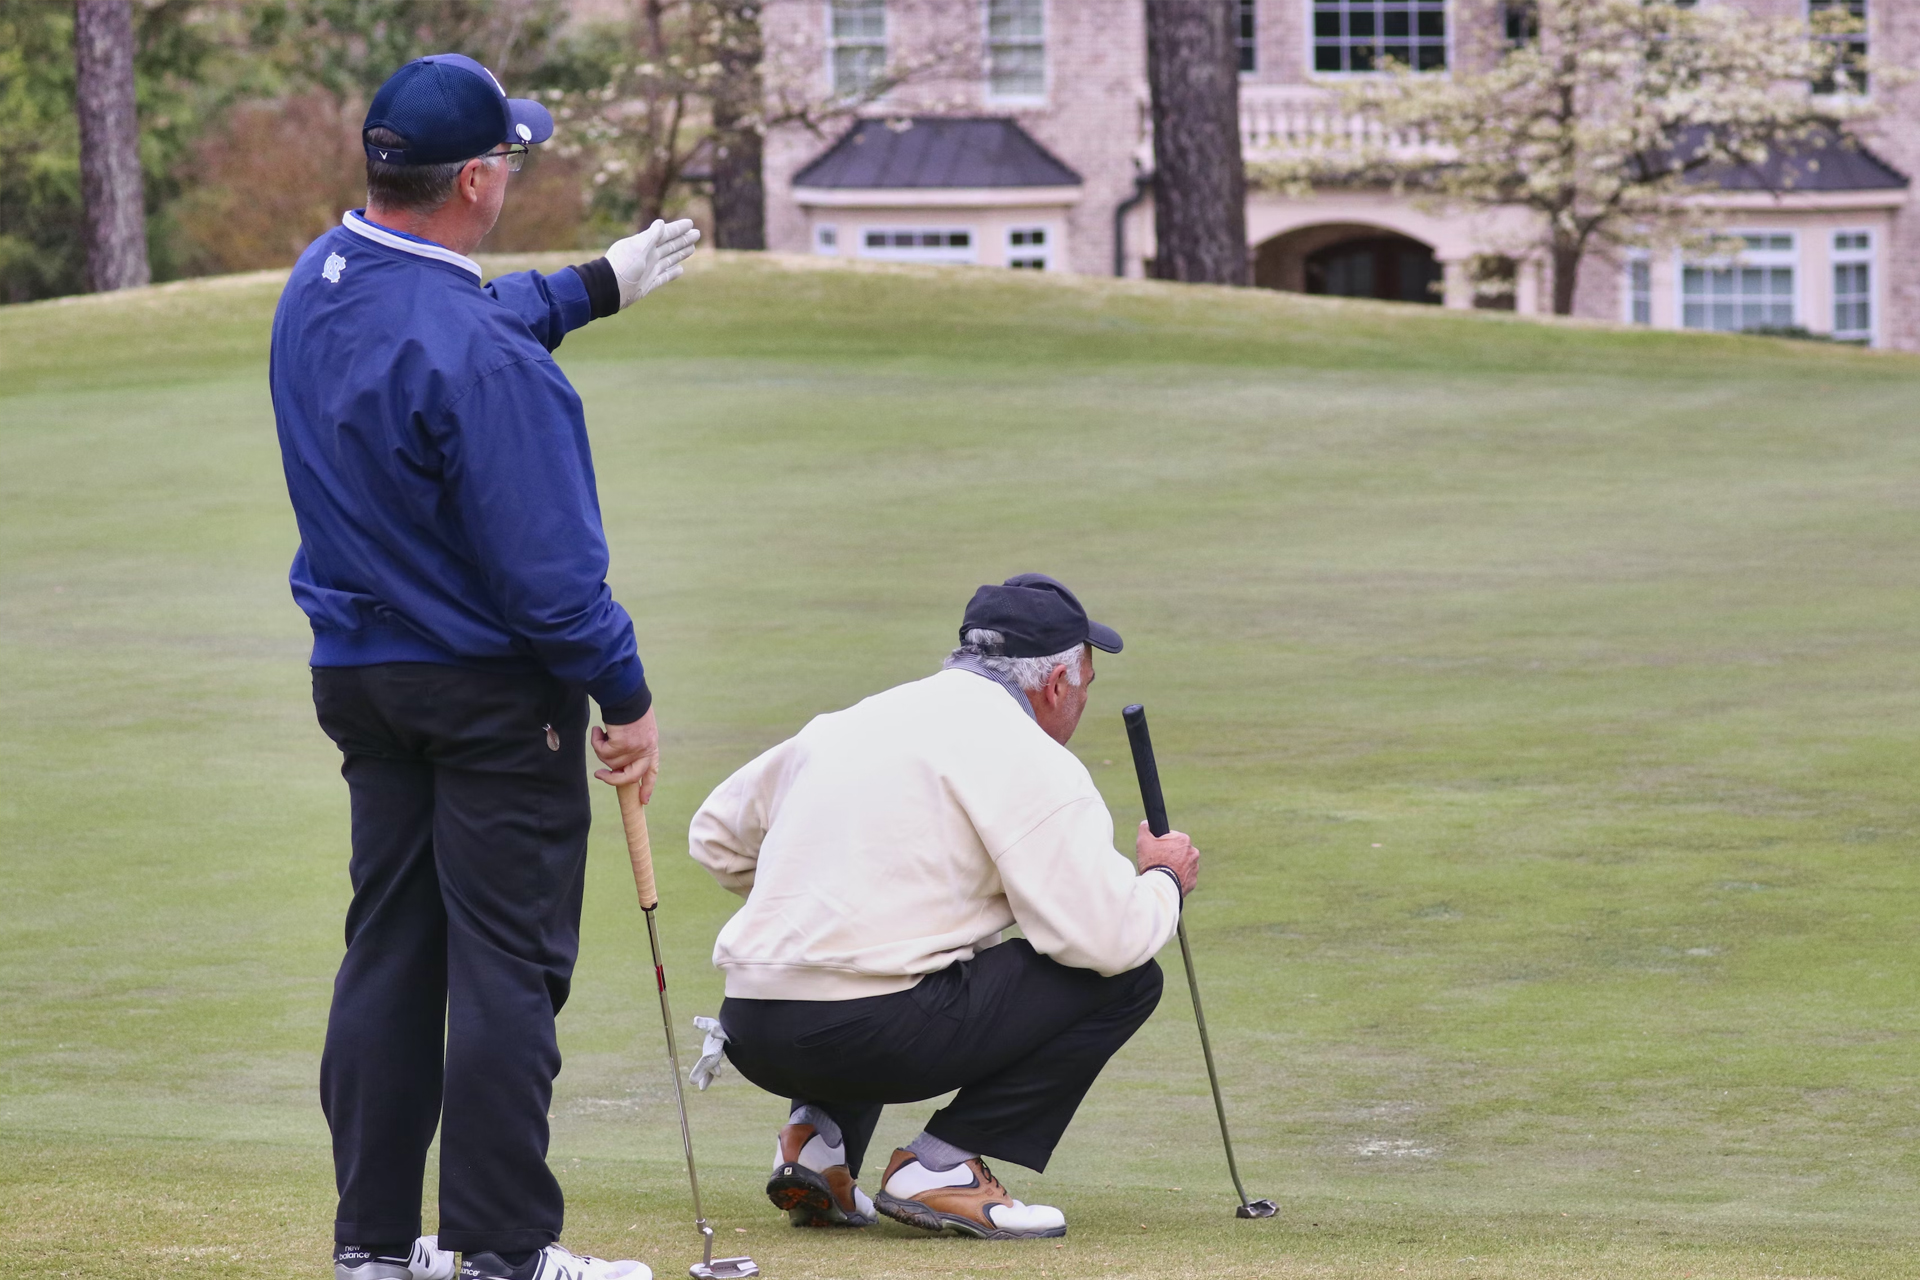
column 645, row 262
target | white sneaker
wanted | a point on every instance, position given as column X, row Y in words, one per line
column 551, row 1263
column 426, row 1261
column 966, row 1198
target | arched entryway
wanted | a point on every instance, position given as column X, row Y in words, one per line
column 1352, row 261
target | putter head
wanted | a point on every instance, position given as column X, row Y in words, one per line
column 724, row 1269
column 1256, row 1209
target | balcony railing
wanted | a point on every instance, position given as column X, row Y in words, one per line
column 1278, row 121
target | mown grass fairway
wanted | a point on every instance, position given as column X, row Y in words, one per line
column 1543, row 698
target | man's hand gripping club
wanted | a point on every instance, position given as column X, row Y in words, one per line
column 644, row 262
column 1174, row 851
column 631, row 753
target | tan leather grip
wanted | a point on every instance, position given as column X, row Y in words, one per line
column 633, row 816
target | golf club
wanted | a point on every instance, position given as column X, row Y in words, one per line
column 633, row 817
column 1156, row 806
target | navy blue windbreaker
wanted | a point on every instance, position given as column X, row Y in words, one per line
column 438, row 464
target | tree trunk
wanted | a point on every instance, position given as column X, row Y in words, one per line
column 1566, row 276
column 739, row 192
column 1199, row 178
column 110, row 178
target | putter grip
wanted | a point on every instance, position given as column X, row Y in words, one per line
column 633, row 816
column 1145, row 769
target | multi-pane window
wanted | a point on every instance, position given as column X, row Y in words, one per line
column 1849, row 74
column 1522, row 21
column 1017, row 48
column 917, row 244
column 857, row 35
column 1364, row 35
column 1639, row 291
column 1027, row 248
column 1853, row 286
column 1246, row 36
column 1755, row 291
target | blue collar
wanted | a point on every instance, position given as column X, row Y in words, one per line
column 970, row 662
column 355, row 221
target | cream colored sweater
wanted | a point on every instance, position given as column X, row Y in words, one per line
column 886, row 841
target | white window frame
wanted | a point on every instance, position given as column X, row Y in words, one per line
column 1028, row 252
column 1308, row 47
column 826, row 240
column 1866, row 46
column 952, row 255
column 1839, row 257
column 835, row 43
column 1764, row 258
column 1046, row 62
column 1628, row 295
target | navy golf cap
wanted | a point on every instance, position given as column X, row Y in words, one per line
column 1038, row 616
column 448, row 107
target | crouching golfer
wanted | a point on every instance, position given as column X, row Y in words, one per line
column 881, row 851
column 453, row 567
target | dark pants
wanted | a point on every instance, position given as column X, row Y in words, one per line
column 469, row 854
column 1020, row 1036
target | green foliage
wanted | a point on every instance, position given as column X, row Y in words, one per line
column 41, row 242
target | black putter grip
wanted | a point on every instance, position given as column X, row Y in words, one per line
column 1145, row 769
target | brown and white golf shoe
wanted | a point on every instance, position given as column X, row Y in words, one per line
column 966, row 1198
column 812, row 1184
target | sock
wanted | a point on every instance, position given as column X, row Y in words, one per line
column 515, row 1261
column 937, row 1155
column 822, row 1123
column 356, row 1254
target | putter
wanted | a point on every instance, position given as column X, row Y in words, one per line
column 633, row 817
column 1156, row 806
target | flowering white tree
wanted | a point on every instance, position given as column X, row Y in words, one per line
column 690, row 74
column 1605, row 117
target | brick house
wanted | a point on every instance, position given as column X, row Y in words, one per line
column 1021, row 138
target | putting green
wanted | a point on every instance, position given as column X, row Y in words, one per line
column 1541, row 696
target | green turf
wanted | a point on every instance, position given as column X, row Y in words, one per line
column 1542, row 697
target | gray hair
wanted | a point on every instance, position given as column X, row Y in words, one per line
column 413, row 188
column 1030, row 674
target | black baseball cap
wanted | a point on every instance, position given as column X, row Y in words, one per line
column 448, row 107
column 1038, row 616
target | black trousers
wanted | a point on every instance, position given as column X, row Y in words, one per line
column 469, row 855
column 1020, row 1036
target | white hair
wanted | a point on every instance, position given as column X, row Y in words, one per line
column 1030, row 674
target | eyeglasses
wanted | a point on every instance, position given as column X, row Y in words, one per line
column 515, row 154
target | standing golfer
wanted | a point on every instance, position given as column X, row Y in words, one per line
column 453, row 567
column 881, row 851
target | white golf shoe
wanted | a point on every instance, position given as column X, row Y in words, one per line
column 551, row 1263
column 966, row 1198
column 427, row 1261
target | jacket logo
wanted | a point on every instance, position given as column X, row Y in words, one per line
column 335, row 264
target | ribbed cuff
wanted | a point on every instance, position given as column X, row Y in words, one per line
column 627, row 710
column 1173, row 876
column 603, row 293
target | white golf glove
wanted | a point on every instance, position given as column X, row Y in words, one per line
column 645, row 262
column 713, row 1054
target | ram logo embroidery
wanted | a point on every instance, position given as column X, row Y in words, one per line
column 334, row 266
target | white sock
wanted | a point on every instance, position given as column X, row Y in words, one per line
column 822, row 1123
column 937, row 1155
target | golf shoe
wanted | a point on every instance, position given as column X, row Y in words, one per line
column 426, row 1261
column 812, row 1183
column 551, row 1263
column 966, row 1198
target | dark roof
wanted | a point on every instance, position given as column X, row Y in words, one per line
column 1826, row 162
column 936, row 151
